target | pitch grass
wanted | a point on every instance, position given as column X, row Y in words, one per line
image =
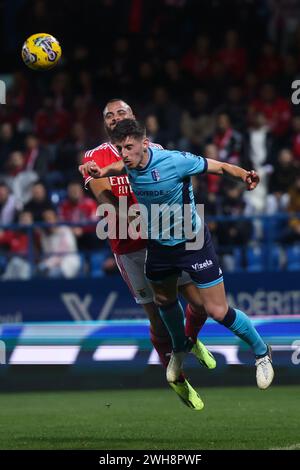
column 233, row 418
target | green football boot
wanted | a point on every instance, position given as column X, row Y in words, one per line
column 203, row 355
column 187, row 395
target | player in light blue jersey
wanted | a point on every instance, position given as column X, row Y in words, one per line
column 163, row 178
column 165, row 181
column 130, row 256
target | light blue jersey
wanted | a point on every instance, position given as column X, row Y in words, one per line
column 164, row 187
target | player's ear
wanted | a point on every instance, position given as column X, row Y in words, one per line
column 146, row 142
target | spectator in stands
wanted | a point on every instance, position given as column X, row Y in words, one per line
column 258, row 142
column 67, row 156
column 7, row 205
column 219, row 82
column 79, row 208
column 282, row 179
column 85, row 85
column 148, row 80
column 36, row 156
column 8, row 143
column 51, row 125
column 198, row 60
column 168, row 115
column 19, row 178
column 295, row 137
column 121, row 60
column 292, row 233
column 17, row 243
column 227, row 140
column 152, row 128
column 276, row 110
column 39, row 201
column 235, row 106
column 214, row 182
column 15, row 164
column 207, row 189
column 269, row 63
column 58, row 249
column 197, row 122
column 11, row 113
column 176, row 81
column 61, row 90
column 288, row 73
column 233, row 234
column 258, row 151
column 233, row 55
column 250, row 87
column 86, row 113
column 285, row 20
column 285, row 172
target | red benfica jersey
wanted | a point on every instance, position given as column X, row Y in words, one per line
column 104, row 155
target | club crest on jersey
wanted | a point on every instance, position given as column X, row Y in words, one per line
column 155, row 175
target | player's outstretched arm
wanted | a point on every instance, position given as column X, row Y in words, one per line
column 91, row 168
column 251, row 178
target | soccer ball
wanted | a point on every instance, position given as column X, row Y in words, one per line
column 41, row 51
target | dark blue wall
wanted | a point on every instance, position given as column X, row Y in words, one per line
column 91, row 299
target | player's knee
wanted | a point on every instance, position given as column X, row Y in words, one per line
column 216, row 311
column 162, row 301
column 197, row 306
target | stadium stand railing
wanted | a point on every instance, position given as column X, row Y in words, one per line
column 263, row 251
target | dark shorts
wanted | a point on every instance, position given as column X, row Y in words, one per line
column 202, row 265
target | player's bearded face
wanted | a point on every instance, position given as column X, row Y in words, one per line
column 114, row 113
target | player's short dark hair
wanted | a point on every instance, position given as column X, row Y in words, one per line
column 115, row 100
column 128, row 128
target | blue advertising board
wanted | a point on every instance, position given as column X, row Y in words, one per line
column 87, row 299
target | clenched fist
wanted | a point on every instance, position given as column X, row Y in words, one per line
column 251, row 180
column 90, row 168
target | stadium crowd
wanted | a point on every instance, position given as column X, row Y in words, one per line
column 219, row 87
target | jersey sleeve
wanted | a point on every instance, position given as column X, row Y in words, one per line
column 188, row 164
column 87, row 158
column 103, row 155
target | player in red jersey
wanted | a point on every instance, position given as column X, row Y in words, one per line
column 130, row 258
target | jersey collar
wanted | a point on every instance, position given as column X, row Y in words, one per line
column 150, row 155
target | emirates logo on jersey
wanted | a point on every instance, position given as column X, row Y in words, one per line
column 120, row 185
column 155, row 174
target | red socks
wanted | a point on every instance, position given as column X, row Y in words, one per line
column 194, row 321
column 163, row 346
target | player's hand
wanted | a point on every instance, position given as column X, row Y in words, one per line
column 90, row 168
column 251, row 180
